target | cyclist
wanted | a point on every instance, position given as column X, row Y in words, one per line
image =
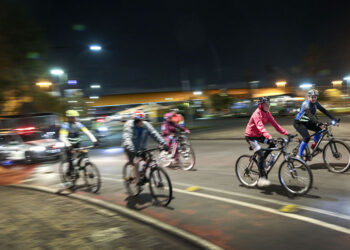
column 306, row 120
column 70, row 135
column 135, row 135
column 169, row 128
column 178, row 118
column 256, row 133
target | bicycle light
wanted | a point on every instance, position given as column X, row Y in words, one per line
column 333, row 122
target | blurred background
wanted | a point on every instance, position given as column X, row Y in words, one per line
column 203, row 59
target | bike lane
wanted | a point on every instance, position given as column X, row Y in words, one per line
column 228, row 225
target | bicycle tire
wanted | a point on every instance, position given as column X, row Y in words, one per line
column 331, row 166
column 192, row 155
column 62, row 170
column 156, row 180
column 95, row 173
column 252, row 174
column 131, row 179
column 292, row 169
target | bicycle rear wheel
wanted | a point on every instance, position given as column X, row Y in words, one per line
column 187, row 157
column 295, row 176
column 247, row 170
column 92, row 177
column 160, row 186
column 131, row 179
column 336, row 155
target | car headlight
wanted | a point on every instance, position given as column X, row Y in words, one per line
column 59, row 144
column 37, row 148
column 102, row 129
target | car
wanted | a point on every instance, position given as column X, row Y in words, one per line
column 27, row 145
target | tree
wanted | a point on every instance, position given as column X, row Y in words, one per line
column 220, row 102
column 22, row 49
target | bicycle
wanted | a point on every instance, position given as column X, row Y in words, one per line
column 294, row 175
column 180, row 151
column 146, row 170
column 334, row 148
column 81, row 163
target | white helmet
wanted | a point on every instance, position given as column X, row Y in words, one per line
column 312, row 92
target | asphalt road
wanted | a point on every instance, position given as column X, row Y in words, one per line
column 224, row 212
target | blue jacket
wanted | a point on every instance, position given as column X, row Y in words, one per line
column 308, row 112
column 136, row 138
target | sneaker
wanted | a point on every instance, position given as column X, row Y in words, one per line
column 299, row 157
column 263, row 182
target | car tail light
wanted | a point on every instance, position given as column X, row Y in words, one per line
column 25, row 130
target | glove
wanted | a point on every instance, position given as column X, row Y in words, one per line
column 96, row 143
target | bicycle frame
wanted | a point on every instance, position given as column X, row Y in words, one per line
column 282, row 150
column 317, row 149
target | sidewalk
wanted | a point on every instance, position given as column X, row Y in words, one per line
column 32, row 219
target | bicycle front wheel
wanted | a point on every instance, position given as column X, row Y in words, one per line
column 63, row 173
column 187, row 157
column 247, row 170
column 92, row 177
column 336, row 155
column 160, row 186
column 131, row 179
column 295, row 176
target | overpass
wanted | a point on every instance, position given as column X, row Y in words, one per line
column 182, row 96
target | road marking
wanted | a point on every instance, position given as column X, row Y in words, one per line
column 268, row 210
column 311, row 209
column 193, row 188
column 289, row 208
column 282, row 203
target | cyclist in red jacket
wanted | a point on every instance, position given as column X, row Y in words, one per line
column 256, row 133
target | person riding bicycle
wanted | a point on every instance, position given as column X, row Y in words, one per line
column 169, row 128
column 70, row 135
column 256, row 133
column 135, row 135
column 177, row 118
column 306, row 120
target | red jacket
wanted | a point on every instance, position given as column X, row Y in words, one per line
column 256, row 125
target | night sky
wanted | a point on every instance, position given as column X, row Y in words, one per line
column 152, row 45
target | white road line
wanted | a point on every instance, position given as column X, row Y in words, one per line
column 269, row 210
column 282, row 203
column 312, row 209
column 262, row 208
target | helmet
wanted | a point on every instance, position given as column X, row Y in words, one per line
column 263, row 99
column 312, row 92
column 139, row 115
column 72, row 113
column 168, row 115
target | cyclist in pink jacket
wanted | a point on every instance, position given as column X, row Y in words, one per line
column 256, row 133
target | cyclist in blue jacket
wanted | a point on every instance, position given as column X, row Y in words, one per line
column 306, row 120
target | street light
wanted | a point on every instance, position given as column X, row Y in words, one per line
column 57, row 72
column 95, row 86
column 337, row 83
column 44, row 84
column 197, row 92
column 305, row 86
column 95, row 47
column 281, row 84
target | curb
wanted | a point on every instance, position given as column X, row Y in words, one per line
column 191, row 238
